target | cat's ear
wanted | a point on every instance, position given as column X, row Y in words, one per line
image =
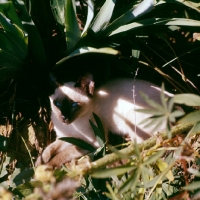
column 86, row 84
column 53, row 84
column 53, row 81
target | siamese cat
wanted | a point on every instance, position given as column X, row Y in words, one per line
column 74, row 103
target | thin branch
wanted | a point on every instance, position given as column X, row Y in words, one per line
column 86, row 167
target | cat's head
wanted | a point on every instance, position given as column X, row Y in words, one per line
column 72, row 99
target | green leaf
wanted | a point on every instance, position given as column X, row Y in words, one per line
column 7, row 159
column 112, row 195
column 169, row 189
column 158, row 179
column 170, row 104
column 100, row 127
column 58, row 9
column 195, row 129
column 151, row 102
column 27, row 188
column 146, row 173
column 131, row 182
column 135, row 53
column 175, row 114
column 21, row 175
column 136, row 148
column 78, row 142
column 191, row 117
column 83, row 50
column 153, row 182
column 98, row 134
column 14, row 31
column 8, row 9
column 89, row 50
column 192, row 186
column 112, row 171
column 190, row 4
column 72, row 32
column 11, row 44
column 10, row 65
column 8, row 59
column 135, row 12
column 90, row 15
column 103, row 17
column 12, row 38
column 187, row 99
column 153, row 158
column 65, row 14
column 169, row 158
column 117, row 152
column 35, row 42
column 156, row 22
column 162, row 166
column 194, row 171
column 155, row 121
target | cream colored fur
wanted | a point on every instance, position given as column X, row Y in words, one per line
column 114, row 103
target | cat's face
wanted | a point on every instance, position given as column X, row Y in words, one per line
column 69, row 102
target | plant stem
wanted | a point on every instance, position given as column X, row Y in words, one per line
column 128, row 151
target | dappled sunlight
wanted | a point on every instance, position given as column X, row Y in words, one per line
column 74, row 93
column 102, row 93
column 127, row 120
column 123, row 107
column 77, row 131
column 160, row 90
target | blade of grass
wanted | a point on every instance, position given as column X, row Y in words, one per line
column 8, row 9
column 90, row 15
column 78, row 142
column 105, row 173
column 137, row 11
column 35, row 42
column 156, row 22
column 87, row 50
column 103, row 17
column 72, row 32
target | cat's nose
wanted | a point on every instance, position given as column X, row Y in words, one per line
column 64, row 117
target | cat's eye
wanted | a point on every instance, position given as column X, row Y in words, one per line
column 74, row 104
column 57, row 103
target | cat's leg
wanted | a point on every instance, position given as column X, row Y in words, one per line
column 49, row 152
column 67, row 155
column 58, row 153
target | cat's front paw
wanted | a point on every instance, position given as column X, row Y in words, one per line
column 55, row 154
column 48, row 159
column 51, row 156
column 43, row 158
column 49, row 152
